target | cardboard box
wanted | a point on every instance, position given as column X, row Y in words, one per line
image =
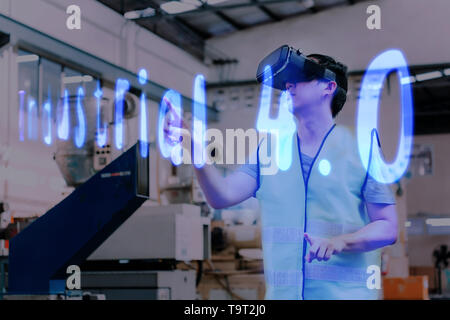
column 225, row 264
column 250, row 264
column 425, row 271
column 409, row 288
column 225, row 260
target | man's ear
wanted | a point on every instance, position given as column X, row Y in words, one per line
column 331, row 87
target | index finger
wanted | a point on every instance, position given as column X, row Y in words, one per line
column 172, row 108
column 307, row 237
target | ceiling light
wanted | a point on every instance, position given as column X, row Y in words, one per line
column 213, row 2
column 27, row 58
column 428, row 75
column 308, row 4
column 447, row 72
column 196, row 3
column 407, row 80
column 136, row 14
column 438, row 222
column 174, row 7
column 87, row 78
column 77, row 79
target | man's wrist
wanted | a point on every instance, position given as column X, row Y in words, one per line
column 342, row 242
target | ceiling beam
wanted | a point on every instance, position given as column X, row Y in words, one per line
column 313, row 9
column 196, row 32
column 203, row 34
column 210, row 8
column 272, row 15
column 236, row 25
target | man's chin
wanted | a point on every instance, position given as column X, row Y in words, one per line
column 296, row 109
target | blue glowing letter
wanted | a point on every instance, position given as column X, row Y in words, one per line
column 122, row 86
column 283, row 127
column 80, row 131
column 199, row 121
column 166, row 149
column 47, row 122
column 142, row 77
column 63, row 123
column 32, row 116
column 367, row 117
column 102, row 132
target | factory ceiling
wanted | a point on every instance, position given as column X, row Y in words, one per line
column 189, row 23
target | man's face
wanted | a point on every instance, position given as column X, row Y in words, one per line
column 306, row 94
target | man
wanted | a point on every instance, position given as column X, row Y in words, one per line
column 321, row 228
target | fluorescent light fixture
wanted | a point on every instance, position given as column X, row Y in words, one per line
column 174, row 7
column 213, row 2
column 407, row 80
column 136, row 14
column 88, row 78
column 407, row 224
column 124, row 261
column 447, row 72
column 196, row 3
column 428, row 75
column 77, row 79
column 27, row 58
column 438, row 222
column 308, row 4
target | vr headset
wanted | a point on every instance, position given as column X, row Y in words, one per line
column 290, row 65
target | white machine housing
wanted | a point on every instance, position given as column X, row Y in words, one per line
column 176, row 231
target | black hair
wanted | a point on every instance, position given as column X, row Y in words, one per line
column 340, row 69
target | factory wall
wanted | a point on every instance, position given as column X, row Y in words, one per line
column 106, row 34
column 429, row 194
column 342, row 33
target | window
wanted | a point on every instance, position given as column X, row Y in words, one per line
column 41, row 85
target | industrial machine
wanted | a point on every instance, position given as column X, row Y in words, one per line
column 138, row 261
column 69, row 232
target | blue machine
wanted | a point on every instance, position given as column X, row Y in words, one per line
column 69, row 232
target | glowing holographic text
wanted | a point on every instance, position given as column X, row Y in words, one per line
column 102, row 130
column 80, row 130
column 63, row 122
column 142, row 76
column 122, row 86
column 170, row 151
column 32, row 115
column 367, row 117
column 143, row 132
column 199, row 121
column 283, row 127
column 47, row 123
column 324, row 167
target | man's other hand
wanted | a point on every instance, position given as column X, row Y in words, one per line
column 322, row 248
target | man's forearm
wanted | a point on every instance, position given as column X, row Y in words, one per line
column 374, row 235
column 212, row 184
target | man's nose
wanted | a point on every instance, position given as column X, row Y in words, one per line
column 290, row 86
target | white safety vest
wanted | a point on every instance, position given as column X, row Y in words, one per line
column 326, row 203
